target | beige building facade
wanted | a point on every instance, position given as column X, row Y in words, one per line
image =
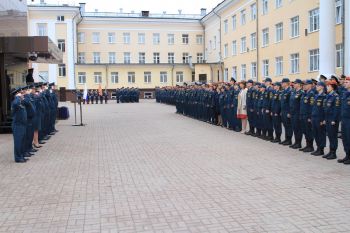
column 243, row 39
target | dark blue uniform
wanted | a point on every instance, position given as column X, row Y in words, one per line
column 285, row 113
column 305, row 116
column 294, row 105
column 276, row 115
column 19, row 125
column 317, row 119
column 345, row 120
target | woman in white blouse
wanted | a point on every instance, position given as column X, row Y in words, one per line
column 242, row 106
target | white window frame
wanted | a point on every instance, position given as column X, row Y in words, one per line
column 163, row 77
column 294, row 63
column 147, row 77
column 199, row 39
column 62, row 70
column 265, row 37
column 279, row 66
column 338, row 11
column 279, row 32
column 97, row 57
column 225, row 50
column 185, row 39
column 60, row 18
column 294, row 27
column 126, row 38
column 339, row 55
column 234, row 48
column 141, row 38
column 42, row 29
column 253, row 41
column 171, row 58
column 314, row 20
column 234, row 22
column 131, row 77
column 98, row 77
column 171, row 39
column 278, row 4
column 253, row 70
column 95, row 37
column 234, row 72
column 111, row 37
column 266, row 68
column 253, row 12
column 114, row 77
column 265, row 7
column 111, row 58
column 81, row 77
column 179, row 77
column 243, row 72
column 61, row 44
column 156, row 38
column 81, row 37
column 156, row 58
column 314, row 60
column 185, row 58
column 127, row 57
column 200, row 58
column 226, row 26
column 243, row 44
column 81, row 58
column 243, row 17
column 142, row 58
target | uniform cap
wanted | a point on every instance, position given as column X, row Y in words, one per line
column 285, row 80
column 250, row 81
column 321, row 84
column 309, row 81
column 298, row 81
column 268, row 80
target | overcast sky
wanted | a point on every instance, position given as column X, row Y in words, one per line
column 155, row 6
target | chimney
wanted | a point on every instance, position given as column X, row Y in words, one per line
column 145, row 13
column 82, row 7
column 96, row 10
column 164, row 12
column 120, row 10
column 203, row 11
column 180, row 11
column 42, row 2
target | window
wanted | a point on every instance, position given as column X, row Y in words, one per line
column 294, row 26
column 147, row 77
column 314, row 20
column 234, row 23
column 111, row 37
column 179, row 76
column 42, row 29
column 60, row 18
column 184, row 38
column 98, row 77
column 243, row 21
column 126, row 38
column 81, row 37
column 95, row 37
column 339, row 55
column 294, row 63
column 243, row 45
column 253, row 40
column 81, row 77
column 97, row 58
column 171, row 58
column 156, row 58
column 142, row 38
column 199, row 39
column 114, row 77
column 265, row 7
column 266, row 68
column 156, row 38
column 265, row 37
column 338, row 11
column 253, row 70
column 185, row 58
column 234, row 72
column 225, row 50
column 279, row 32
column 278, row 3
column 81, row 58
column 62, row 70
column 200, row 58
column 127, row 58
column 225, row 26
column 61, row 45
column 111, row 57
column 279, row 66
column 243, row 72
column 253, row 11
column 314, row 60
column 214, row 45
column 226, row 75
column 142, row 58
column 131, row 77
column 171, row 39
column 163, row 77
column 234, row 48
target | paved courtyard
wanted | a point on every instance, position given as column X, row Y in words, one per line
column 142, row 168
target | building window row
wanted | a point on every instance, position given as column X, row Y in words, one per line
column 111, row 37
column 131, row 77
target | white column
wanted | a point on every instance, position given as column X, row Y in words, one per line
column 327, row 37
column 70, row 55
column 347, row 38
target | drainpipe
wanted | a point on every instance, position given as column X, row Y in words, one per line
column 220, row 55
column 257, row 42
column 343, row 32
column 76, row 41
column 172, row 75
column 204, row 50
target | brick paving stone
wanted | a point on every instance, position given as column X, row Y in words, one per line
column 143, row 168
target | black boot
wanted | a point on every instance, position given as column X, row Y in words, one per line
column 346, row 158
column 304, row 148
column 309, row 148
column 287, row 142
column 326, row 155
column 318, row 152
column 333, row 155
column 297, row 145
column 277, row 139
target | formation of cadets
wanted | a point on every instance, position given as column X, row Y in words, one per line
column 34, row 110
column 310, row 109
column 94, row 96
column 127, row 95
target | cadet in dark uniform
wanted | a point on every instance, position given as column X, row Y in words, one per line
column 285, row 112
column 31, row 114
column 105, row 95
column 19, row 115
column 294, row 105
column 267, row 120
column 332, row 117
column 92, row 96
column 345, row 118
column 305, row 115
column 318, row 119
column 250, row 107
column 276, row 112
